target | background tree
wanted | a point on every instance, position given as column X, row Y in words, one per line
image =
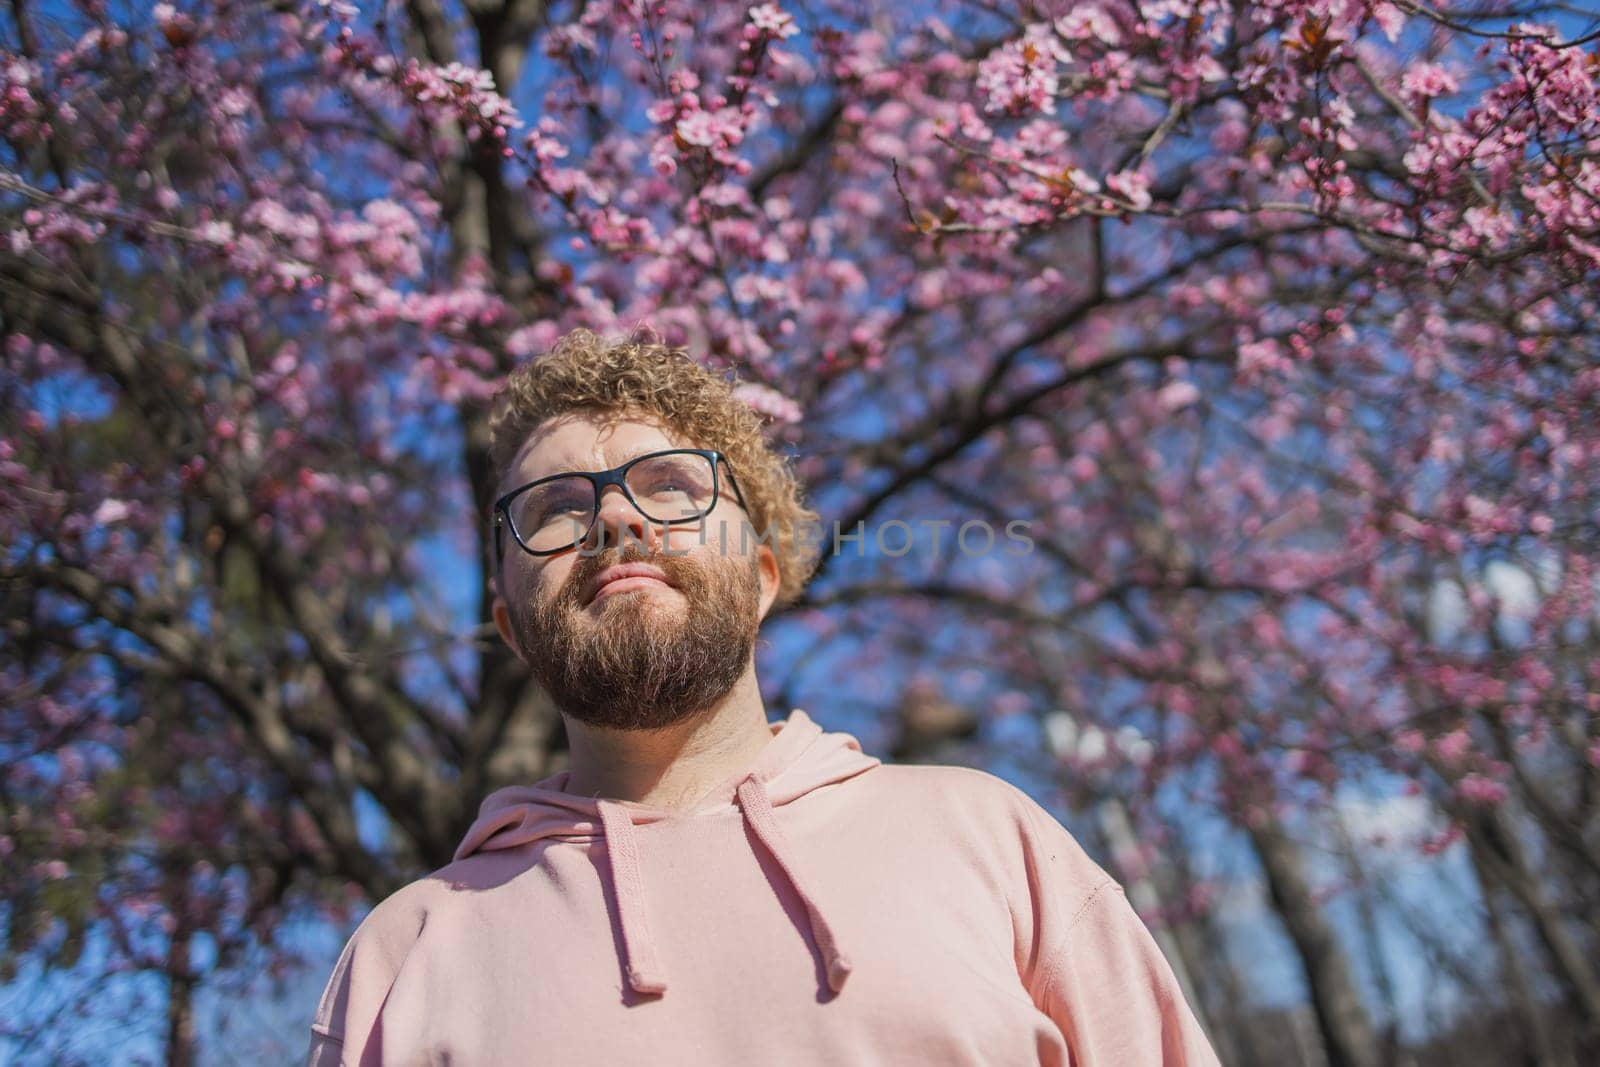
column 1271, row 321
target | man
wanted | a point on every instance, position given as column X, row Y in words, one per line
column 700, row 886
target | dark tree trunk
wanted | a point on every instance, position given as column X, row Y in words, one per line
column 180, row 999
column 1342, row 1019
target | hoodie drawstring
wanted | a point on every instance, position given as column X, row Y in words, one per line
column 643, row 968
column 758, row 813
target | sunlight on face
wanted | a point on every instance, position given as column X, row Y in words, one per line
column 645, row 650
column 581, row 442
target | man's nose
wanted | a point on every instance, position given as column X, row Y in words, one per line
column 619, row 522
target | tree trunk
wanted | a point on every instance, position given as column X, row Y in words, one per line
column 1342, row 1019
column 1222, row 990
column 1500, row 860
column 1533, row 1016
column 180, row 999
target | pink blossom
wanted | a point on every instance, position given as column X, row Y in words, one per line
column 1478, row 789
column 1089, row 22
column 768, row 401
column 1022, row 75
column 1424, row 80
column 532, row 339
column 468, row 92
column 1132, row 186
column 772, row 21
column 1390, row 19
column 1439, row 842
column 1261, row 356
column 1177, row 395
column 111, row 511
column 717, row 131
column 22, row 112
column 1453, row 747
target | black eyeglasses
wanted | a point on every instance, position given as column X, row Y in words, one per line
column 558, row 512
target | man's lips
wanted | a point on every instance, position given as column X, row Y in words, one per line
column 623, row 577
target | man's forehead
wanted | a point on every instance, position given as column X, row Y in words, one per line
column 589, row 442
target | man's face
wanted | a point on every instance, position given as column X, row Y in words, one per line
column 640, row 654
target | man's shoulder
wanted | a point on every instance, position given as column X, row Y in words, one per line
column 398, row 919
column 983, row 812
column 945, row 784
column 394, row 922
column 377, row 949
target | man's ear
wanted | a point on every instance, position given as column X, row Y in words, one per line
column 502, row 622
column 767, row 562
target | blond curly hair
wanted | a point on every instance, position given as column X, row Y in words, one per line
column 640, row 375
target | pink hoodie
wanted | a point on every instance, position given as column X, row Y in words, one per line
column 816, row 908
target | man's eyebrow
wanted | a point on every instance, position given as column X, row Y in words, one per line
column 573, row 467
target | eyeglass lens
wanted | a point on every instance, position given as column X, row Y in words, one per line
column 666, row 489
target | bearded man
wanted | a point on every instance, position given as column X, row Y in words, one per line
column 700, row 886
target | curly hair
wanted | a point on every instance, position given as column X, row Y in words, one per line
column 638, row 375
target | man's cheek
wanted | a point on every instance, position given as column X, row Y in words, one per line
column 550, row 584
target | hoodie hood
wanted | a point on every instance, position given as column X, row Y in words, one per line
column 800, row 757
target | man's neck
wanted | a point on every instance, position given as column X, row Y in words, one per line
column 671, row 768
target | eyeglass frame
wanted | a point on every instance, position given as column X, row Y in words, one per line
column 616, row 476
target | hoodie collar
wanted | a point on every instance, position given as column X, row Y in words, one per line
column 799, row 758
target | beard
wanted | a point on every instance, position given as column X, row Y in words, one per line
column 637, row 663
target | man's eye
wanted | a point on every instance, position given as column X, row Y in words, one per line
column 569, row 508
column 555, row 508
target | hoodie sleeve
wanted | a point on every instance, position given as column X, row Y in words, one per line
column 1096, row 970
column 345, row 1026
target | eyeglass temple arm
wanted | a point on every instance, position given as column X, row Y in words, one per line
column 734, row 482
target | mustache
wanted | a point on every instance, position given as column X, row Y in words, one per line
column 586, row 568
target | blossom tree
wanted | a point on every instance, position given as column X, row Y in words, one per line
column 1269, row 323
